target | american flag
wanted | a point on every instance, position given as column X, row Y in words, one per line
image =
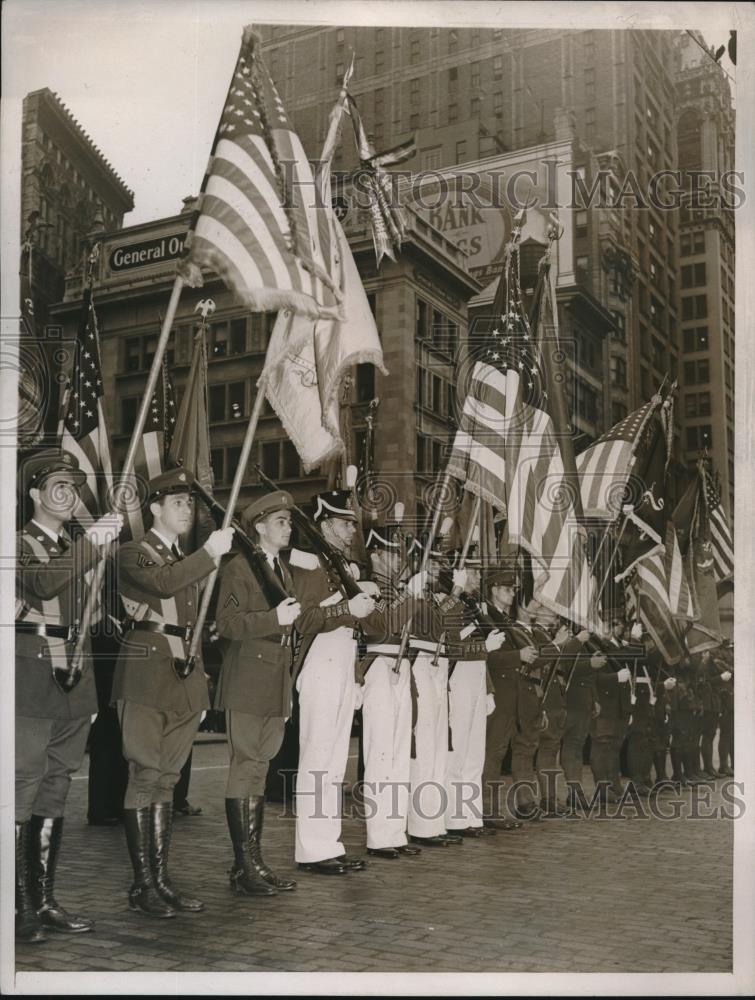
column 84, row 430
column 648, row 598
column 152, row 449
column 606, row 466
column 680, row 594
column 514, row 445
column 258, row 225
column 718, row 531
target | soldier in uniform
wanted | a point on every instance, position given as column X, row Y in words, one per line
column 726, row 699
column 325, row 679
column 609, row 726
column 581, row 708
column 52, row 714
column 255, row 687
column 159, row 698
column 387, row 705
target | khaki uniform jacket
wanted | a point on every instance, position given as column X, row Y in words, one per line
column 50, row 589
column 256, row 674
column 155, row 586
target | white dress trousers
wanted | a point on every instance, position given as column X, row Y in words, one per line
column 468, row 704
column 327, row 695
column 386, row 740
column 427, row 772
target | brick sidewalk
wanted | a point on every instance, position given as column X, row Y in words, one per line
column 563, row 896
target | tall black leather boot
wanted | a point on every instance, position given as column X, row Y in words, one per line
column 45, row 835
column 245, row 879
column 659, row 763
column 28, row 925
column 143, row 894
column 162, row 827
column 256, row 817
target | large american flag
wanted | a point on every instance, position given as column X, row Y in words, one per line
column 152, row 450
column 84, row 430
column 514, row 445
column 606, row 466
column 718, row 531
column 648, row 599
column 258, row 225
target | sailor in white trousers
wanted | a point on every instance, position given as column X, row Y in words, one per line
column 325, row 672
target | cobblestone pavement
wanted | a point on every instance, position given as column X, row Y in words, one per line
column 594, row 895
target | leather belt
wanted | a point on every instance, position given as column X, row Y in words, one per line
column 67, row 632
column 163, row 628
column 423, row 646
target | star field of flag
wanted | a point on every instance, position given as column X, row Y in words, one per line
column 721, row 542
column 82, row 416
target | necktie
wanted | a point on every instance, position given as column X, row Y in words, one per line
column 63, row 544
column 278, row 571
column 176, row 551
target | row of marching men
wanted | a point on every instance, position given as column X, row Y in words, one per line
column 445, row 682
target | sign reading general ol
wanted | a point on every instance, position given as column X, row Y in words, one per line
column 128, row 256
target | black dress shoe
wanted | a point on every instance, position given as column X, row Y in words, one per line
column 451, row 837
column 187, row 809
column 473, row 831
column 330, row 866
column 105, row 821
column 529, row 814
column 351, row 863
column 430, row 841
column 383, row 852
column 408, row 850
column 501, row 823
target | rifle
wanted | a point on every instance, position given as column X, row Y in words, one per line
column 402, row 646
column 334, row 560
column 269, row 583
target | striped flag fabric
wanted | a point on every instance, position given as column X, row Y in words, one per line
column 151, row 450
column 514, row 445
column 257, row 224
column 680, row 593
column 651, row 603
column 84, row 430
column 605, row 467
column 307, row 359
column 717, row 525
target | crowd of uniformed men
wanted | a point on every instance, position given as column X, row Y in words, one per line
column 448, row 680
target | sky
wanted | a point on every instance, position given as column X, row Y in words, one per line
column 147, row 78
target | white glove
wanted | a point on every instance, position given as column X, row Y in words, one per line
column 354, row 570
column 670, row 683
column 105, row 529
column 623, row 675
column 92, row 718
column 288, row 611
column 489, row 705
column 562, row 636
column 358, row 696
column 361, row 606
column 726, row 675
column 416, row 584
column 494, row 640
column 219, row 542
column 202, row 717
column 636, row 631
column 460, row 579
column 370, row 588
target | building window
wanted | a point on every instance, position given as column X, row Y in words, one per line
column 216, row 403
column 262, row 326
column 697, row 404
column 452, row 337
column 659, row 354
column 694, row 307
column 498, row 104
column 453, row 114
column 414, row 50
column 693, row 275
column 474, row 107
column 413, row 125
column 218, row 346
column 453, row 76
column 692, row 243
column 497, row 67
column 618, row 371
column 414, row 91
column 270, row 458
column 226, row 402
column 420, row 390
column 453, row 41
column 699, row 437
column 139, row 352
column 422, row 318
column 339, row 74
column 620, row 331
column 379, row 61
column 339, row 36
column 475, row 76
column 437, row 399
column 421, row 456
column 461, row 151
column 696, row 339
column 581, row 223
column 129, row 410
column 290, row 468
column 696, row 372
column 438, row 328
column 430, row 159
column 365, row 383
column 237, row 339
column 582, row 269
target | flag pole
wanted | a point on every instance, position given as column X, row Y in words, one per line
column 436, row 520
column 473, row 523
column 230, row 509
column 122, row 489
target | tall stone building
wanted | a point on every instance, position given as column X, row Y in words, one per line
column 705, row 124
column 69, row 192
